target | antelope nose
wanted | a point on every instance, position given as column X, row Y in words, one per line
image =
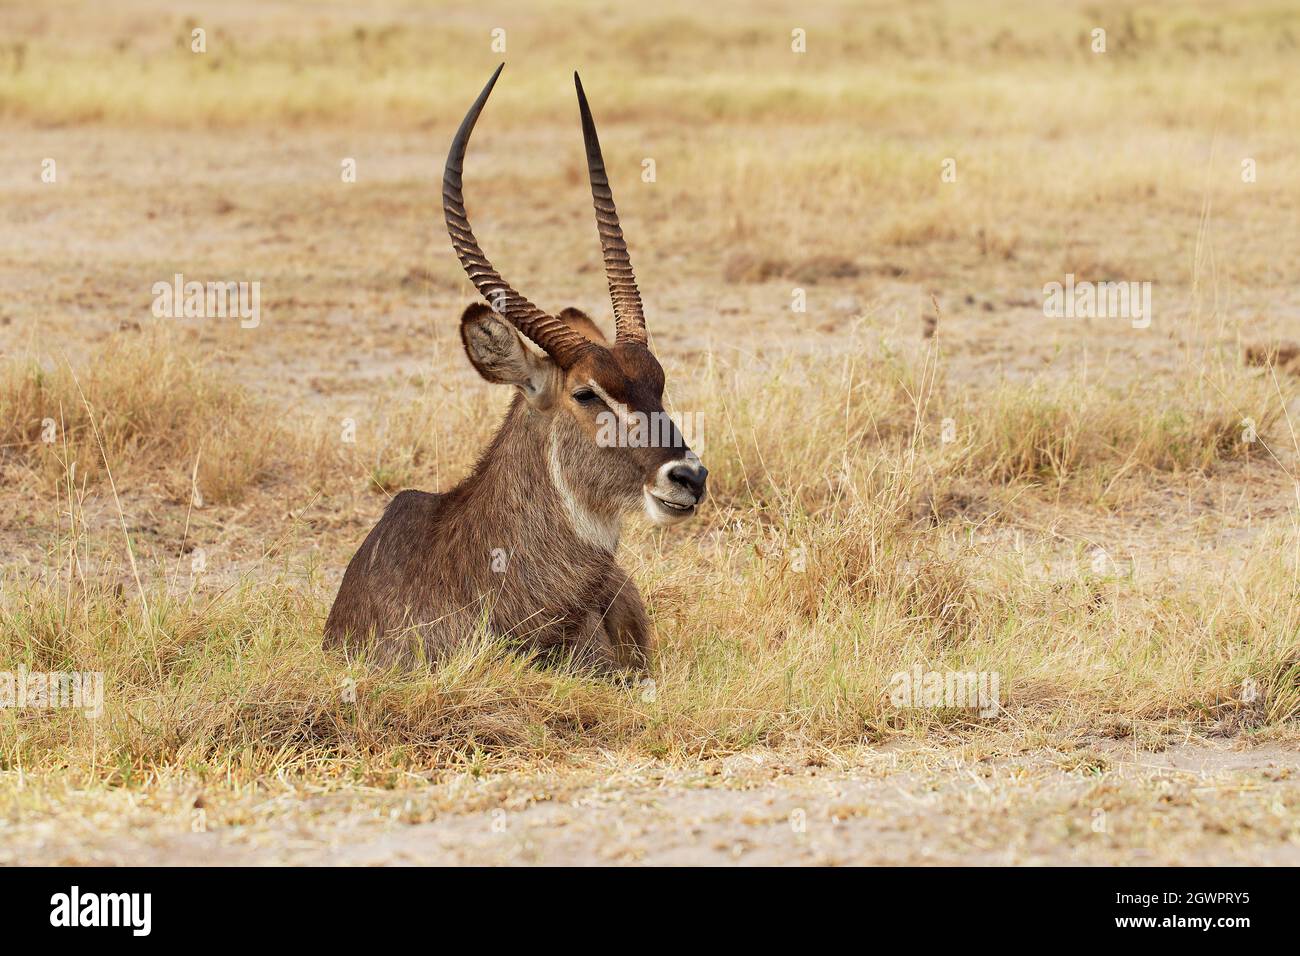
column 691, row 477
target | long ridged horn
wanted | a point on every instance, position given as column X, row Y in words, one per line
column 553, row 335
column 629, row 318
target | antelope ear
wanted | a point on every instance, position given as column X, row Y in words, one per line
column 499, row 354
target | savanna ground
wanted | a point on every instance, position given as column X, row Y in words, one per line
column 1110, row 519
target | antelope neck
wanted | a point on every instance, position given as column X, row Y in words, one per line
column 526, row 476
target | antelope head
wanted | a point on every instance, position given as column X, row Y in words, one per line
column 605, row 399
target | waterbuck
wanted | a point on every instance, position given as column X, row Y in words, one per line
column 524, row 546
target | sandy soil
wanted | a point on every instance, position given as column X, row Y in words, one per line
column 385, row 330
column 1108, row 805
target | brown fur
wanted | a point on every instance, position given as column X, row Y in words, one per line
column 429, row 575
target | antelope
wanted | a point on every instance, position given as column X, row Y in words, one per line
column 524, row 546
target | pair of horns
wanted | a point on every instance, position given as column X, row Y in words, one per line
column 554, row 335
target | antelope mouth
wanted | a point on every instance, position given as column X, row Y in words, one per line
column 665, row 511
column 674, row 506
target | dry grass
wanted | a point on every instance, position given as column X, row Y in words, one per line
column 142, row 405
column 806, row 586
column 1073, row 505
column 1061, row 431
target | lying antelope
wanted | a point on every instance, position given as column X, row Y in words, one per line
column 525, row 545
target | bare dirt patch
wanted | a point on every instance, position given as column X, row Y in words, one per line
column 1107, row 805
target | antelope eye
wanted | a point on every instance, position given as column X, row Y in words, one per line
column 585, row 396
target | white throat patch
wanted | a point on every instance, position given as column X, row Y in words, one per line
column 593, row 529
